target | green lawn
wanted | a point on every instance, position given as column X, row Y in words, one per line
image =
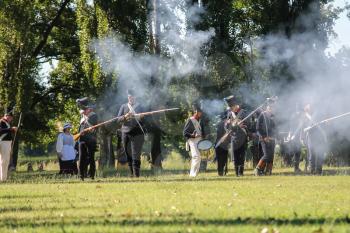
column 43, row 202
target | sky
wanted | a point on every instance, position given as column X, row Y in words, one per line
column 342, row 29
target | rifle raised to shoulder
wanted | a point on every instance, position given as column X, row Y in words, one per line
column 142, row 114
column 325, row 121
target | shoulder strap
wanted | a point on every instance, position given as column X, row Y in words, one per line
column 196, row 125
column 5, row 134
column 131, row 109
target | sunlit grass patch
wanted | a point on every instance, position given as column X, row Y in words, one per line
column 171, row 201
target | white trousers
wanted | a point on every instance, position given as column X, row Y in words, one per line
column 195, row 155
column 5, row 150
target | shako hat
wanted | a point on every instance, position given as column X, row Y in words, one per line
column 84, row 103
column 197, row 106
column 130, row 92
column 9, row 111
column 230, row 100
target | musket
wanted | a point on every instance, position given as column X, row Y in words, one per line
column 15, row 136
column 142, row 114
column 325, row 121
column 224, row 137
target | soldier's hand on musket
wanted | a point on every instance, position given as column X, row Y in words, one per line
column 14, row 129
column 139, row 117
column 266, row 139
column 195, row 135
column 128, row 116
column 88, row 130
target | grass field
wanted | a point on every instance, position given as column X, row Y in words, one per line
column 172, row 202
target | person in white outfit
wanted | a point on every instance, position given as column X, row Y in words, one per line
column 66, row 152
column 194, row 132
column 5, row 143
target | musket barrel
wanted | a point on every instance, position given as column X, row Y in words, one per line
column 77, row 136
column 326, row 120
column 154, row 112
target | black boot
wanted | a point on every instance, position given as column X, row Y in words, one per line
column 259, row 170
column 297, row 169
column 137, row 172
column 237, row 170
column 136, row 167
column 268, row 170
column 131, row 170
column 241, row 170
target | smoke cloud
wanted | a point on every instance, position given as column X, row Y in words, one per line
column 295, row 68
column 181, row 43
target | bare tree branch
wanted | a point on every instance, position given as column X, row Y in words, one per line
column 49, row 28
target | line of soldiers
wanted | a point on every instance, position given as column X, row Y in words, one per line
column 314, row 139
column 132, row 135
column 261, row 129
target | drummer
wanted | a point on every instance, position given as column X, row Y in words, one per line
column 194, row 132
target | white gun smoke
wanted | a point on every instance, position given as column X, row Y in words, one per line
column 309, row 75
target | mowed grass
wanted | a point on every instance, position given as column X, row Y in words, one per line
column 43, row 202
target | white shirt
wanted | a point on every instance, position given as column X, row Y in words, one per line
column 65, row 146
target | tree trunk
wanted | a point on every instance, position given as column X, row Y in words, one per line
column 154, row 26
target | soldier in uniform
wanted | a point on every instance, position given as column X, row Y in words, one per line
column 221, row 151
column 5, row 142
column 87, row 141
column 266, row 130
column 237, row 138
column 132, row 132
column 194, row 131
column 316, row 141
column 294, row 139
column 253, row 137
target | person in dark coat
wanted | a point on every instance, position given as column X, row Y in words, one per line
column 88, row 140
column 237, row 138
column 266, row 130
column 221, row 152
column 132, row 132
column 315, row 139
column 253, row 137
column 294, row 139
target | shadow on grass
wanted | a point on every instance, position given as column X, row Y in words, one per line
column 164, row 175
column 12, row 197
column 31, row 209
column 325, row 172
column 169, row 220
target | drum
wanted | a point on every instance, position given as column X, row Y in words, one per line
column 204, row 145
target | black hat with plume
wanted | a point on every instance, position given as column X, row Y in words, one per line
column 9, row 111
column 84, row 103
column 130, row 92
column 230, row 100
column 197, row 106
